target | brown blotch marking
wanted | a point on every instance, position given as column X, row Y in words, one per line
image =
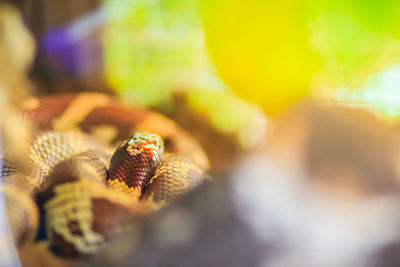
column 48, row 109
column 60, row 247
column 124, row 120
column 74, row 228
column 108, row 216
column 78, row 109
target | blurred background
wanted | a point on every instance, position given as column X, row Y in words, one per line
column 199, row 61
column 148, row 53
column 236, row 74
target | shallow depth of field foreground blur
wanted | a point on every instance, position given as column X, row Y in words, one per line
column 297, row 105
column 324, row 192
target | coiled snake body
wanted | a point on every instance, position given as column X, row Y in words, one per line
column 95, row 164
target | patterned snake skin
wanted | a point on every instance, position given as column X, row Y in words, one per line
column 94, row 164
column 134, row 162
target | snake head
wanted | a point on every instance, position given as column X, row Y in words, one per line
column 145, row 142
column 133, row 163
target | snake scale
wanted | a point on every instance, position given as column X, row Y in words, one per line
column 94, row 164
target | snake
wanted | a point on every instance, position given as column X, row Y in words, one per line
column 95, row 164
